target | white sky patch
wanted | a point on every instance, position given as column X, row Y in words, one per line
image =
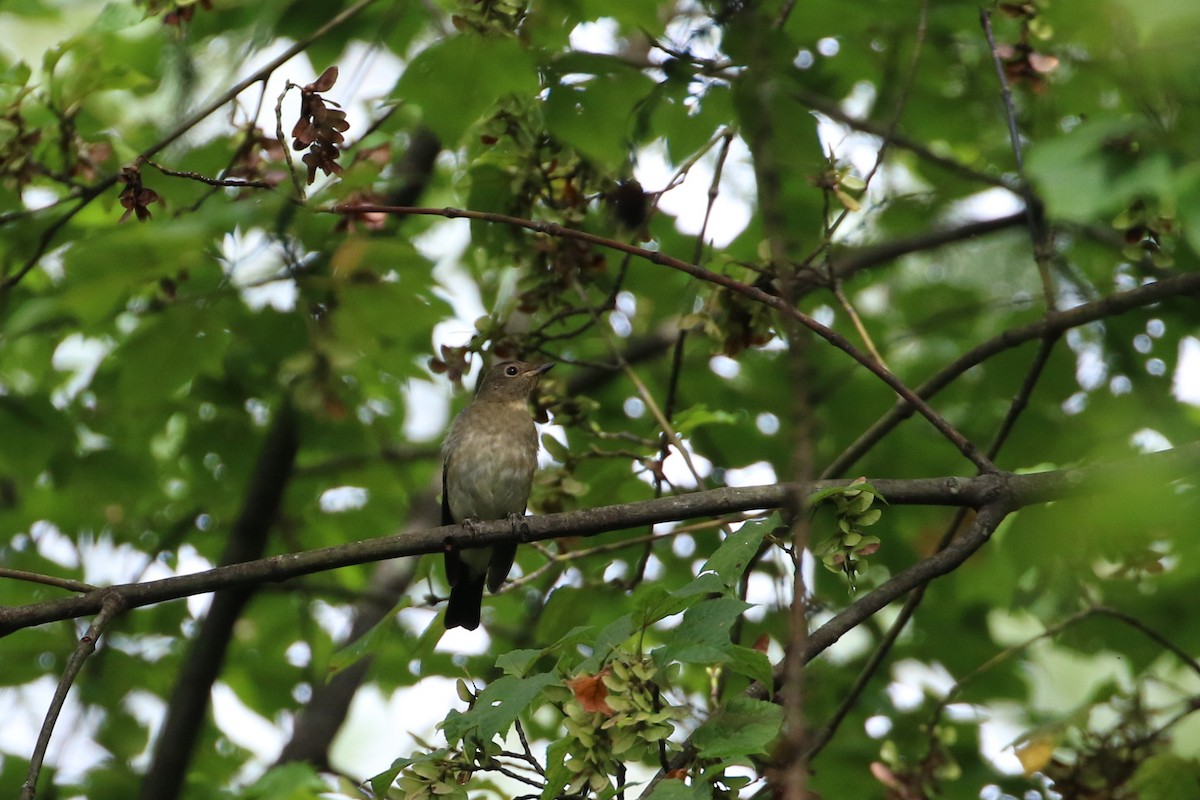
column 1185, row 384
column 767, row 423
column 53, row 545
column 461, row 640
column 245, row 727
column 360, row 750
column 988, row 204
column 683, row 546
column 599, row 36
column 148, row 709
column 877, row 726
column 73, row 750
column 724, row 366
column 676, row 468
column 912, row 680
column 996, row 737
column 343, row 498
column 760, row 473
column 80, row 356
column 1148, row 440
column 688, row 201
column 256, row 264
column 427, row 411
column 334, row 620
column 556, row 432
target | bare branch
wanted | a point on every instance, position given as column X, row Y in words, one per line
column 1016, row 490
column 111, row 605
column 776, row 303
column 1053, row 323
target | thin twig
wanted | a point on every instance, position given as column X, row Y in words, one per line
column 778, row 304
column 857, row 322
column 1014, row 136
column 1019, row 403
column 1053, row 322
column 1033, row 206
column 112, row 606
column 180, row 130
column 47, row 580
column 297, row 184
column 195, row 176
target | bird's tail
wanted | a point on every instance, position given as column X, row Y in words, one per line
column 466, row 597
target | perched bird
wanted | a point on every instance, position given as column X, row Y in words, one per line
column 489, row 458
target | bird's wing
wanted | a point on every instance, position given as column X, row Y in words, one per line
column 454, row 565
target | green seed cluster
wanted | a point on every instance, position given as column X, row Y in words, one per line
column 639, row 720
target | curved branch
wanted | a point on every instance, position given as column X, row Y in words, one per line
column 1017, row 491
column 774, row 302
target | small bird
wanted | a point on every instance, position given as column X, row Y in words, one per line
column 488, row 461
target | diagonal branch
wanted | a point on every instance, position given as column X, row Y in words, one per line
column 776, row 303
column 1052, row 323
column 919, row 574
column 111, row 605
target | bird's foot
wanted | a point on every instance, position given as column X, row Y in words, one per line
column 472, row 525
column 519, row 524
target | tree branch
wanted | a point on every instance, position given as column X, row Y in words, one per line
column 111, row 605
column 1016, row 490
column 1052, row 323
column 94, row 191
column 778, row 304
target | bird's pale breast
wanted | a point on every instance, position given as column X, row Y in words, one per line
column 492, row 450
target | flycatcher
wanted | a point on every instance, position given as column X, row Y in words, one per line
column 488, row 461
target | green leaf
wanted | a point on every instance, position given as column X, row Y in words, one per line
column 117, row 17
column 751, row 663
column 383, row 781
column 742, row 727
column 518, row 662
column 1166, row 776
column 296, row 780
column 478, row 72
column 168, row 351
column 702, row 636
column 368, row 643
column 595, row 117
column 557, row 774
column 497, row 707
column 675, row 789
column 738, row 549
column 1096, row 170
column 690, row 419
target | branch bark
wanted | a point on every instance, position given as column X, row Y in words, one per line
column 1017, row 491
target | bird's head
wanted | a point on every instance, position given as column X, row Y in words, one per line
column 512, row 380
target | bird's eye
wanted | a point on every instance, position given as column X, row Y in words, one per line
column 511, row 370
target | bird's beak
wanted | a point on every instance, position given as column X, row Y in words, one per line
column 542, row 369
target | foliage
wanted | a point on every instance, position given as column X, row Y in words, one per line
column 212, row 260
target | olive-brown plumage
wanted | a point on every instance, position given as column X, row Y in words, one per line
column 489, row 458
